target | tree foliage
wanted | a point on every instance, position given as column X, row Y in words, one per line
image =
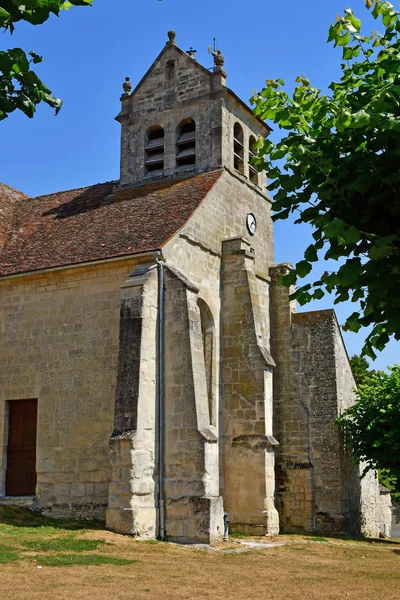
column 372, row 424
column 20, row 87
column 361, row 369
column 341, row 172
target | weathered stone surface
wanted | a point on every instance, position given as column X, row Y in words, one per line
column 83, row 341
column 248, row 455
column 319, row 489
column 132, row 492
column 59, row 343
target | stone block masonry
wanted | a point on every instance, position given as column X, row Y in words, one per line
column 59, row 343
column 319, row 489
column 194, row 509
column 249, row 482
column 132, row 505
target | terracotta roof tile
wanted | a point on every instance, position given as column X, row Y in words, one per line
column 98, row 222
column 8, row 199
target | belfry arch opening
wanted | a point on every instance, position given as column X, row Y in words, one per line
column 154, row 149
column 186, row 143
column 253, row 173
column 238, row 148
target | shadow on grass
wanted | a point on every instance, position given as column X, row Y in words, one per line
column 24, row 517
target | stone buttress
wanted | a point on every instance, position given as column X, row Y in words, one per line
column 194, row 511
column 249, row 479
column 132, row 492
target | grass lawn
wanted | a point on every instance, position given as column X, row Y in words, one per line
column 56, row 560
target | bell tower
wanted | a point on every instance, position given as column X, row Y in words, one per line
column 181, row 119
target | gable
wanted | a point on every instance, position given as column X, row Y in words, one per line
column 173, row 78
column 99, row 222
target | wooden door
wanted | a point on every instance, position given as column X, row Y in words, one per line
column 21, row 451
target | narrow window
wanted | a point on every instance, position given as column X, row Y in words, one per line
column 253, row 174
column 154, row 150
column 186, row 144
column 238, row 154
column 207, row 331
column 170, row 68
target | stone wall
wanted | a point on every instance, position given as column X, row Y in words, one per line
column 197, row 249
column 59, row 343
column 132, row 499
column 194, row 510
column 249, row 481
column 385, row 512
column 319, row 489
column 175, row 88
column 396, row 512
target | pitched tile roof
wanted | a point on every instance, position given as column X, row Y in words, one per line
column 8, row 199
column 98, row 222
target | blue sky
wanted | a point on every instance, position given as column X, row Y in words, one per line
column 89, row 51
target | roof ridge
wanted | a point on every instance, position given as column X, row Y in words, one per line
column 14, row 190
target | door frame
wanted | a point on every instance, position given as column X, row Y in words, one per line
column 4, row 442
column 4, row 418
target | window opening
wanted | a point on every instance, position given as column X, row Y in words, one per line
column 253, row 173
column 170, row 67
column 186, row 144
column 154, row 157
column 238, row 154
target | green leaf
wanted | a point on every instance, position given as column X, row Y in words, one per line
column 343, row 40
column 377, row 10
column 311, row 253
column 36, row 58
column 351, row 235
column 318, row 294
column 355, row 22
column 347, row 53
column 303, row 268
column 334, row 229
column 343, row 120
column 377, row 253
column 4, row 17
column 26, row 104
column 280, row 152
column 360, row 119
column 289, row 279
column 349, row 273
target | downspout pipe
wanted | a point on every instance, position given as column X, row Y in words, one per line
column 161, row 397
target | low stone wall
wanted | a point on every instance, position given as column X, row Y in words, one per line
column 396, row 512
column 384, row 512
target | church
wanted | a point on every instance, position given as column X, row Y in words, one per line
column 153, row 372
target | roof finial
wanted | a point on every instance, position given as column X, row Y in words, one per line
column 127, row 86
column 171, row 37
column 191, row 52
column 218, row 58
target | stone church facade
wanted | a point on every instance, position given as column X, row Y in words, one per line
column 152, row 371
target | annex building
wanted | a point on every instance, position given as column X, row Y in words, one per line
column 152, row 371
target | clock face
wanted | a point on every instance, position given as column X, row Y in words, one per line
column 251, row 223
